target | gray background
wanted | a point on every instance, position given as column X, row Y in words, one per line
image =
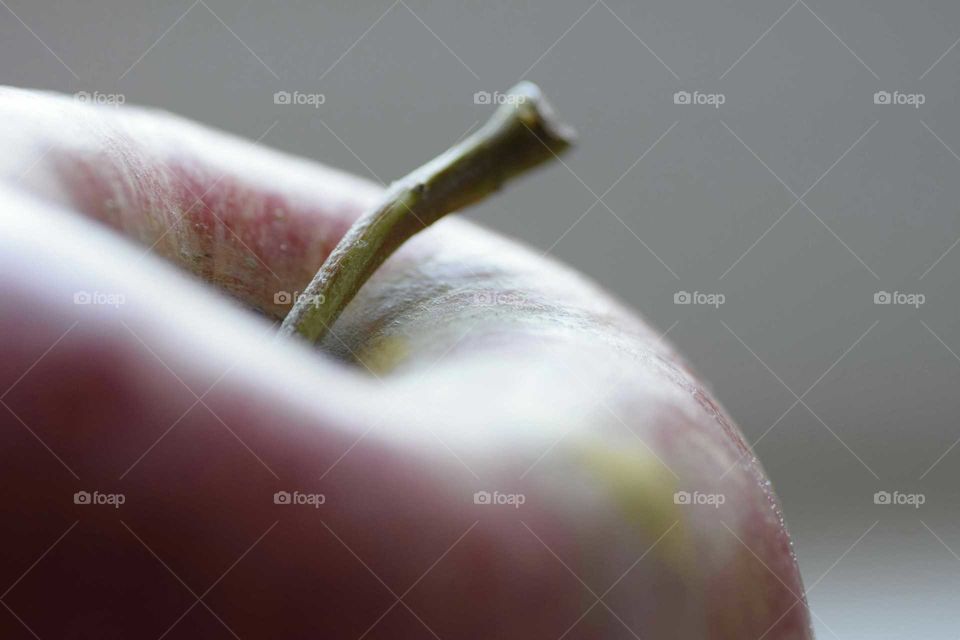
column 798, row 79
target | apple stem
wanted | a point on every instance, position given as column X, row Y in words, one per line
column 523, row 133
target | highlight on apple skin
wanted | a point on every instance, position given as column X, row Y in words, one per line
column 487, row 444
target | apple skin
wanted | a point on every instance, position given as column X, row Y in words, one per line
column 467, row 363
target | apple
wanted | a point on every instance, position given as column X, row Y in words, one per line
column 485, row 445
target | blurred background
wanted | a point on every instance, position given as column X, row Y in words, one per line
column 787, row 169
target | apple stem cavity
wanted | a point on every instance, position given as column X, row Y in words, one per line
column 523, row 133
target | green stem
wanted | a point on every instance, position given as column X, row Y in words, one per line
column 522, row 133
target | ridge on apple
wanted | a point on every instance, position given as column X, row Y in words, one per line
column 465, row 364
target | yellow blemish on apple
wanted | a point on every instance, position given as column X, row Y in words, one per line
column 385, row 354
column 643, row 489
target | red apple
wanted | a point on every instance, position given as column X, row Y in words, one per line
column 486, row 446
